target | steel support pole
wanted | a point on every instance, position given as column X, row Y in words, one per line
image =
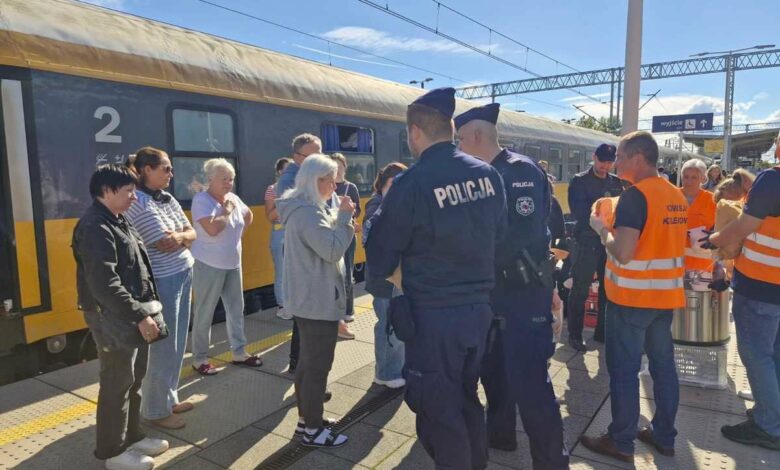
column 612, row 96
column 728, row 105
column 633, row 67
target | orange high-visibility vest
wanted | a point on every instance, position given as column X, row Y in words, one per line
column 700, row 213
column 654, row 277
column 760, row 256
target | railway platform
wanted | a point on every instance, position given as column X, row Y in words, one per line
column 244, row 419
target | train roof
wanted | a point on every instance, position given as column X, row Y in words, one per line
column 86, row 40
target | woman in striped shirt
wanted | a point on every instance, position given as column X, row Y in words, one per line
column 167, row 234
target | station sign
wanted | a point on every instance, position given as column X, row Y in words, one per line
column 683, row 122
column 713, row 146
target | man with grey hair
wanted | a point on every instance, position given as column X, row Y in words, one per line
column 302, row 146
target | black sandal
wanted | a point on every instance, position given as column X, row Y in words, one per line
column 300, row 428
column 323, row 438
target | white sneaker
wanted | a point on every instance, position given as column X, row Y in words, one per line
column 283, row 314
column 395, row 383
column 151, row 446
column 130, row 460
column 349, row 318
column 745, row 395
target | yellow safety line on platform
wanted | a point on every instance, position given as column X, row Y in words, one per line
column 70, row 413
column 47, row 421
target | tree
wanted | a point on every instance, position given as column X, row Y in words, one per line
column 603, row 124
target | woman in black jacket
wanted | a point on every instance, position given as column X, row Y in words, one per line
column 117, row 294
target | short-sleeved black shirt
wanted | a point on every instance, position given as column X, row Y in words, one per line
column 631, row 209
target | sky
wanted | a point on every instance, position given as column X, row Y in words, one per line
column 577, row 34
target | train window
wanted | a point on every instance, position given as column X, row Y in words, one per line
column 555, row 155
column 353, row 139
column 533, row 151
column 405, row 154
column 189, row 178
column 575, row 155
column 203, row 131
column 556, row 169
column 361, row 171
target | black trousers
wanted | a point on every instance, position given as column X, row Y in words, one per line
column 318, row 347
column 442, row 369
column 514, row 376
column 590, row 257
column 119, row 399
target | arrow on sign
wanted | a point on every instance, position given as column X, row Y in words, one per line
column 703, row 123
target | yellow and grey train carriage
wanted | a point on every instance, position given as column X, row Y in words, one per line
column 82, row 86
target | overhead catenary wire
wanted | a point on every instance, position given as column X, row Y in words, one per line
column 498, row 33
column 386, row 9
column 314, row 36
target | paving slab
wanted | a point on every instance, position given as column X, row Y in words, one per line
column 81, row 379
column 578, row 402
column 410, row 455
column 362, row 378
column 69, row 445
column 699, row 445
column 394, row 416
column 320, row 460
column 345, row 398
column 231, row 400
column 246, row 449
column 578, row 379
column 193, row 463
column 368, row 445
column 725, row 401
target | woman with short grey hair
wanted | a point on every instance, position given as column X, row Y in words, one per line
column 220, row 218
column 315, row 240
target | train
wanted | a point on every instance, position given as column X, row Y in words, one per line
column 82, row 85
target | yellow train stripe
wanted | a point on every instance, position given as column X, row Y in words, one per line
column 47, row 421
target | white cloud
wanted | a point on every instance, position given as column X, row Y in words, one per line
column 381, row 41
column 761, row 95
column 774, row 117
column 115, row 4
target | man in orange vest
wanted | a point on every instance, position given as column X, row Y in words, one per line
column 756, row 306
column 644, row 283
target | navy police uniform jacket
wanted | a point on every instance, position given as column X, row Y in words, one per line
column 528, row 200
column 584, row 189
column 440, row 220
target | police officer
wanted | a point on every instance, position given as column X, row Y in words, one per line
column 520, row 341
column 440, row 221
column 589, row 257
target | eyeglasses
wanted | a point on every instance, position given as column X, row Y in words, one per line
column 167, row 169
column 302, row 154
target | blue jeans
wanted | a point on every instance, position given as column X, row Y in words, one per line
column 277, row 254
column 209, row 284
column 389, row 351
column 165, row 356
column 758, row 342
column 630, row 330
column 349, row 279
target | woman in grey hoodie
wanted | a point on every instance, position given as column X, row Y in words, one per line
column 315, row 240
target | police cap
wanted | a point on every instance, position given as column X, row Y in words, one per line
column 440, row 99
column 605, row 153
column 488, row 113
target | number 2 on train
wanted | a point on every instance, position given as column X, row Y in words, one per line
column 104, row 134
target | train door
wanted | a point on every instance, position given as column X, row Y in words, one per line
column 24, row 286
